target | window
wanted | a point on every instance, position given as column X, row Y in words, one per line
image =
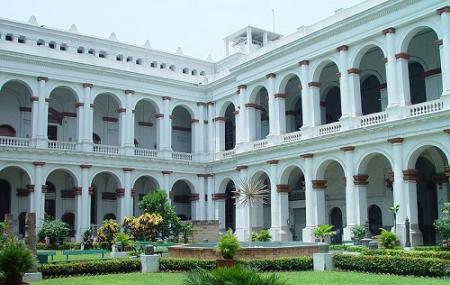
column 186, row 70
column 52, row 45
column 9, row 37
column 102, row 54
column 163, row 66
column 202, row 73
column 119, row 57
column 91, row 51
column 130, row 58
column 21, row 40
column 40, row 42
column 153, row 64
column 139, row 61
column 80, row 50
column 172, row 67
column 194, row 72
column 63, row 47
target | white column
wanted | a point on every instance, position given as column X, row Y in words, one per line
column 283, row 206
column 123, row 127
column 410, row 178
column 79, row 213
column 211, row 133
column 129, row 123
column 81, row 125
column 350, row 205
column 445, row 49
column 280, row 107
column 220, row 133
column 34, row 119
column 354, row 91
column 397, row 168
column 391, row 70
column 201, row 128
column 403, row 78
column 85, row 199
column 219, row 212
column 251, row 121
column 41, row 137
column 37, row 198
column 242, row 212
column 361, row 181
column 211, row 202
column 159, row 121
column 166, row 130
column 275, row 227
column 314, row 95
column 307, row 232
column 242, row 136
column 307, row 107
column 89, row 117
column 201, row 209
column 319, row 186
column 273, row 124
column 166, row 183
column 346, row 101
column 128, row 199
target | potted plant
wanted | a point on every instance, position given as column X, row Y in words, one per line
column 227, row 247
column 358, row 233
column 15, row 260
column 323, row 231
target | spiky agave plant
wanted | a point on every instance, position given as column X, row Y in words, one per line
column 252, row 192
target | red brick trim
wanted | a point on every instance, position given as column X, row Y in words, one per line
column 90, row 85
column 447, row 171
column 440, row 179
column 303, row 62
column 30, row 188
column 121, row 110
column 280, row 95
column 25, row 109
column 447, row 131
column 361, row 179
column 38, row 163
column 110, row 119
column 222, row 119
column 342, row 48
column 205, row 175
column 145, row 124
column 77, row 191
column 79, row 104
column 34, row 98
column 127, row 169
column 402, row 55
column 166, row 98
column 236, row 112
column 396, row 140
column 445, row 9
column 283, row 188
column 273, row 162
column 205, row 121
column 91, row 190
column 347, row 148
column 390, row 30
column 253, row 105
column 219, row 196
column 410, row 175
column 47, row 100
column 194, row 121
column 129, row 92
column 439, row 42
column 120, row 192
column 159, row 115
column 241, row 167
column 42, row 78
column 166, row 172
column 133, row 192
column 83, row 166
column 307, row 155
column 92, row 105
column 432, row 72
column 319, row 184
column 314, row 84
column 354, row 71
column 194, row 197
column 271, row 76
column 242, row 86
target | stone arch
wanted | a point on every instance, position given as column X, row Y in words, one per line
column 102, row 92
column 439, row 154
column 408, row 34
column 115, row 175
column 324, row 163
column 73, row 174
column 72, row 90
column 29, row 87
column 142, row 185
column 287, row 170
column 361, row 164
column 153, row 102
column 182, row 194
column 285, row 79
column 318, row 67
column 360, row 52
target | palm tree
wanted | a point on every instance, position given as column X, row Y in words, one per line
column 251, row 192
column 394, row 210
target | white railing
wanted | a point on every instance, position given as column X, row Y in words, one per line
column 425, row 108
column 292, row 137
column 109, row 149
column 71, row 146
column 145, row 152
column 182, row 156
column 228, row 153
column 260, row 144
column 373, row 119
column 330, row 129
column 13, row 141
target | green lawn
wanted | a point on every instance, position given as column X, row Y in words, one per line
column 293, row 278
column 59, row 257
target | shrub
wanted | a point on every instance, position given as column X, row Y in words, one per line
column 393, row 265
column 107, row 232
column 263, row 235
column 414, row 254
column 228, row 245
column 64, row 246
column 387, row 239
column 3, row 228
column 88, row 239
column 181, row 264
column 352, row 248
column 60, row 269
column 124, row 239
column 232, row 275
column 359, row 232
column 431, row 248
column 185, row 230
column 55, row 230
column 15, row 260
column 323, row 231
column 443, row 227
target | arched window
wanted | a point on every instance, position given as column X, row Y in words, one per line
column 370, row 95
column 69, row 218
column 96, row 139
column 375, row 219
column 7, row 131
column 417, row 83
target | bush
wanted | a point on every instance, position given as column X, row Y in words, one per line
column 263, row 235
column 431, row 248
column 107, row 232
column 64, row 246
column 63, row 269
column 144, row 227
column 124, row 239
column 181, row 264
column 359, row 232
column 15, row 260
column 387, row 239
column 352, row 248
column 443, row 227
column 232, row 275
column 88, row 239
column 228, row 245
column 393, row 265
column 55, row 230
column 323, row 231
column 408, row 254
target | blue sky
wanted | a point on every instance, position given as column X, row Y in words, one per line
column 197, row 26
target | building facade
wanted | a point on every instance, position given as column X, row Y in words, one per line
column 341, row 120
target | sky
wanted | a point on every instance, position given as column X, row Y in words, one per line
column 197, row 26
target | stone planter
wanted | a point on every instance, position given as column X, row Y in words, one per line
column 225, row 263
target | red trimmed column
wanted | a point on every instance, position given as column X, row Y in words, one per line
column 410, row 178
column 403, row 78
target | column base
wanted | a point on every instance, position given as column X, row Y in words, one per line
column 348, row 122
column 275, row 232
column 415, row 235
column 307, row 132
column 395, row 112
column 40, row 142
column 308, row 234
column 285, row 233
column 241, row 234
column 85, row 146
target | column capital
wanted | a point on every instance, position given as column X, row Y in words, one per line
column 30, row 188
column 361, row 179
column 271, row 76
column 280, row 95
column 166, row 172
column 342, row 48
column 194, row 121
column 222, row 119
column 356, row 71
column 447, row 131
column 303, row 62
column 91, row 190
column 319, row 184
column 314, row 84
column 120, row 192
column 442, row 10
column 34, row 98
column 242, row 86
column 79, row 104
column 201, row 103
column 194, row 197
column 42, row 78
column 390, row 30
column 241, row 167
column 307, row 156
column 127, row 169
column 77, row 191
column 159, row 115
column 347, row 148
column 88, row 85
column 219, row 196
column 166, row 98
column 210, row 103
column 91, row 106
column 283, row 188
column 440, row 179
column 129, row 92
column 395, row 140
column 205, row 175
column 447, row 171
column 439, row 42
column 38, row 163
column 121, row 110
column 410, row 175
column 403, row 55
column 273, row 162
column 133, row 192
column 85, row 166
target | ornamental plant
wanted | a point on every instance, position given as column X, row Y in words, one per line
column 387, row 239
column 55, row 230
column 145, row 227
column 15, row 260
column 263, row 235
column 359, row 232
column 124, row 239
column 442, row 225
column 323, row 231
column 228, row 245
column 107, row 232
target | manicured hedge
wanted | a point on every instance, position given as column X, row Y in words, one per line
column 432, row 248
column 414, row 254
column 64, row 246
column 352, row 248
column 393, row 265
column 183, row 264
column 90, row 267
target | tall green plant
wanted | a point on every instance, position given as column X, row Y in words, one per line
column 387, row 239
column 228, row 245
column 252, row 193
column 323, row 231
column 55, row 230
column 107, row 231
column 394, row 210
column 15, row 260
column 442, row 225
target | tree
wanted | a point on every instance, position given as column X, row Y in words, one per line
column 252, row 193
column 55, row 230
column 107, row 232
column 394, row 210
column 156, row 202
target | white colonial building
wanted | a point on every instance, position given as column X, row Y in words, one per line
column 341, row 119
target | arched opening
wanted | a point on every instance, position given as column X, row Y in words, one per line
column 15, row 110
column 297, row 208
column 260, row 109
column 96, row 139
column 230, row 127
column 69, row 218
column 425, row 78
column 293, row 104
column 181, row 200
column 181, row 130
column 145, row 125
column 230, row 206
column 62, row 115
column 262, row 216
column 373, row 92
column 330, row 94
column 337, row 223
column 105, row 186
column 106, row 119
column 375, row 220
column 14, row 195
column 142, row 186
column 21, row 219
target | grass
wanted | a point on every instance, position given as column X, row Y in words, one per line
column 293, row 278
column 60, row 257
